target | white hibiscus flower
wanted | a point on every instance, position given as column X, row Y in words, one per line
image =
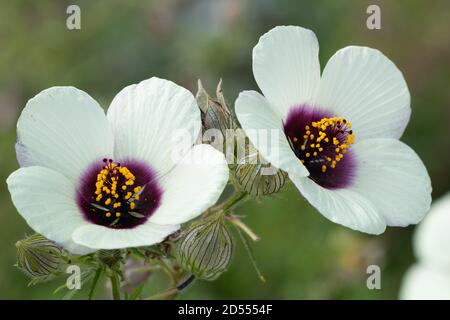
column 90, row 181
column 430, row 277
column 337, row 133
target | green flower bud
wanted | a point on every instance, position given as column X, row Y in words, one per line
column 255, row 177
column 206, row 249
column 110, row 257
column 38, row 257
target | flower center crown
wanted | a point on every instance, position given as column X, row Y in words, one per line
column 323, row 143
column 116, row 191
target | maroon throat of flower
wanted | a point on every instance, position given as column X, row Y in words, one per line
column 119, row 196
column 322, row 143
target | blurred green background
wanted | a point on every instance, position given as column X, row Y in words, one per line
column 301, row 254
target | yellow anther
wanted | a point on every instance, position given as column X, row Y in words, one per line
column 324, row 168
column 112, row 178
column 307, row 154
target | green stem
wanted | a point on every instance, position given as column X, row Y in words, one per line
column 172, row 293
column 227, row 205
column 98, row 276
column 233, row 200
column 171, row 274
column 115, row 287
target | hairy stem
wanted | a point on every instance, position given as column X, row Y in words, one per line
column 115, row 287
column 236, row 198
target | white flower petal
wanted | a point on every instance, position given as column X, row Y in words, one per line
column 194, row 185
column 391, row 187
column 46, row 199
column 286, row 67
column 100, row 237
column 425, row 283
column 149, row 117
column 394, row 179
column 342, row 206
column 432, row 236
column 265, row 130
column 64, row 129
column 365, row 87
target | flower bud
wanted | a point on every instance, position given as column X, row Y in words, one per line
column 257, row 177
column 110, row 257
column 215, row 116
column 206, row 249
column 38, row 257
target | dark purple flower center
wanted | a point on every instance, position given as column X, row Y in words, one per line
column 120, row 196
column 322, row 143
